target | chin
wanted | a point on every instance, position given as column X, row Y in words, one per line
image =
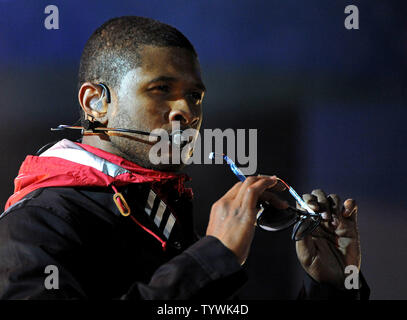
column 164, row 164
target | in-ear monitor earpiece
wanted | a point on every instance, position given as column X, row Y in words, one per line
column 97, row 104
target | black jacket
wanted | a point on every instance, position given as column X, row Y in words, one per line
column 101, row 254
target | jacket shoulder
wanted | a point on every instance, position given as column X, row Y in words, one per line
column 68, row 203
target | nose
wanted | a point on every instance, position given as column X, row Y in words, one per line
column 182, row 113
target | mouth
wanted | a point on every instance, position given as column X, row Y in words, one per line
column 178, row 139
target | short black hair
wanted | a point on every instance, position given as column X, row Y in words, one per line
column 113, row 49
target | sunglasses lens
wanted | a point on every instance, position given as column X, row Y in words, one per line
column 305, row 226
column 272, row 219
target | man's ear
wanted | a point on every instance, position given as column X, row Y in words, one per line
column 92, row 101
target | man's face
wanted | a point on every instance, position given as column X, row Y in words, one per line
column 166, row 87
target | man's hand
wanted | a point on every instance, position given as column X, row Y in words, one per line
column 233, row 216
column 335, row 243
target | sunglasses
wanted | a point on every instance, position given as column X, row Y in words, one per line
column 270, row 218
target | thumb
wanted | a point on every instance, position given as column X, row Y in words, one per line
column 306, row 250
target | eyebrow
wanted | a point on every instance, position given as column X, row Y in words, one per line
column 199, row 85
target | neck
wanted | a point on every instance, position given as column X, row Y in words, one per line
column 105, row 145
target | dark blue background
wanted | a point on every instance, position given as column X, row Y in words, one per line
column 329, row 104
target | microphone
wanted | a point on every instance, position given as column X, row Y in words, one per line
column 176, row 137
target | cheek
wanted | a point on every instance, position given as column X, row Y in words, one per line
column 156, row 113
column 144, row 112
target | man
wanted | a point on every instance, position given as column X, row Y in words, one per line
column 111, row 224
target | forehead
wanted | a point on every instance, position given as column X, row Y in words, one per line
column 171, row 62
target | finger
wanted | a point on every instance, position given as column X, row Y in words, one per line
column 350, row 209
column 336, row 204
column 323, row 231
column 232, row 192
column 278, row 187
column 323, row 203
column 247, row 183
column 274, row 200
column 298, row 206
column 249, row 180
column 311, row 201
column 253, row 193
column 312, row 205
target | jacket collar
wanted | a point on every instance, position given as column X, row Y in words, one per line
column 74, row 164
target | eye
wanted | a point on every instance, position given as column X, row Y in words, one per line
column 162, row 88
column 196, row 96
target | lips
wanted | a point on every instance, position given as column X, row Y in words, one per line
column 178, row 139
